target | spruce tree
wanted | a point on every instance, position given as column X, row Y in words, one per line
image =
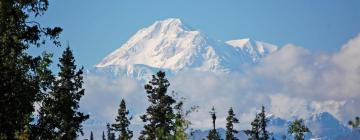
column 91, row 136
column 59, row 112
column 213, row 134
column 109, row 131
column 258, row 127
column 23, row 77
column 297, row 128
column 255, row 129
column 231, row 119
column 103, row 136
column 159, row 123
column 123, row 122
column 355, row 123
column 264, row 134
column 181, row 123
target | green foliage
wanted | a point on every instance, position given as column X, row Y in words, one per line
column 24, row 78
column 355, row 123
column 213, row 134
column 297, row 128
column 181, row 123
column 231, row 119
column 123, row 122
column 59, row 117
column 159, row 115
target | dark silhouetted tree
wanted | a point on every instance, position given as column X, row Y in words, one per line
column 255, row 129
column 230, row 131
column 59, row 112
column 109, row 131
column 264, row 134
column 122, row 122
column 213, row 134
column 159, row 117
column 91, row 136
column 258, row 127
column 103, row 136
column 24, row 78
column 298, row 129
column 355, row 123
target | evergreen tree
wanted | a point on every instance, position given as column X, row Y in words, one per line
column 231, row 119
column 297, row 128
column 258, row 127
column 123, row 122
column 355, row 123
column 23, row 77
column 159, row 115
column 108, row 129
column 91, row 136
column 181, row 123
column 255, row 129
column 213, row 134
column 59, row 112
column 264, row 134
column 112, row 136
column 103, row 136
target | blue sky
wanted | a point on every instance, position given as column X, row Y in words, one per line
column 95, row 28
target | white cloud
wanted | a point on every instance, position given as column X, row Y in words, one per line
column 292, row 82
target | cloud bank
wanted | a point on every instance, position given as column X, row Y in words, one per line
column 290, row 83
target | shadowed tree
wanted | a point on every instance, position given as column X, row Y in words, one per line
column 231, row 119
column 59, row 117
column 264, row 134
column 122, row 122
column 24, row 78
column 255, row 129
column 258, row 127
column 159, row 117
column 297, row 128
column 91, row 136
column 103, row 136
column 355, row 124
column 213, row 134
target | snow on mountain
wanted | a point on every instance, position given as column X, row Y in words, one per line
column 171, row 45
column 254, row 50
column 323, row 126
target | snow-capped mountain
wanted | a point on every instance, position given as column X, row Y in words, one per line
column 172, row 46
column 323, row 126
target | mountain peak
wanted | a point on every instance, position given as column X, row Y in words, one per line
column 171, row 46
column 169, row 21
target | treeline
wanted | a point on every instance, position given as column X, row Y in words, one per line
column 26, row 81
column 165, row 119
